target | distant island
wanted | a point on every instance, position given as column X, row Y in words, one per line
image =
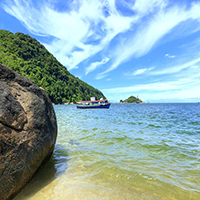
column 31, row 59
column 132, row 99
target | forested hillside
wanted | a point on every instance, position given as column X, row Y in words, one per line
column 29, row 58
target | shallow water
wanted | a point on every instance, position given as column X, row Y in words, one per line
column 130, row 151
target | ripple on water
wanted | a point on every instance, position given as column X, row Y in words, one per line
column 130, row 151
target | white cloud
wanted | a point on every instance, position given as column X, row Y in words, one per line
column 169, row 56
column 158, row 86
column 141, row 71
column 183, row 95
column 89, row 27
column 94, row 65
column 149, row 34
column 182, row 87
column 176, row 68
column 143, row 7
column 72, row 28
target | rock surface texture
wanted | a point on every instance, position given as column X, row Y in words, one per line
column 28, row 131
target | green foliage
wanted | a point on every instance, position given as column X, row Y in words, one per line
column 132, row 99
column 29, row 58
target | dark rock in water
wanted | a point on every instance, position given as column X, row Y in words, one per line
column 28, row 131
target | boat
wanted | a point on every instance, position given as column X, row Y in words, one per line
column 93, row 103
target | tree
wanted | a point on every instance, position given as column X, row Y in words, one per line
column 132, row 99
column 29, row 58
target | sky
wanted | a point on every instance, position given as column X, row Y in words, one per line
column 144, row 48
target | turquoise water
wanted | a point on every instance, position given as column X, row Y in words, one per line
column 130, row 151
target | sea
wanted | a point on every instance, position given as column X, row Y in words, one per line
column 130, row 151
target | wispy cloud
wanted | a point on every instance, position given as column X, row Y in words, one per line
column 141, row 71
column 176, row 68
column 158, row 86
column 183, row 89
column 94, row 65
column 146, row 36
column 169, row 56
column 144, row 7
column 89, row 27
column 183, row 85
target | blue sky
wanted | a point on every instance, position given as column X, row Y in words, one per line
column 145, row 48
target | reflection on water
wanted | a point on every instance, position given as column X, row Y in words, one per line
column 131, row 151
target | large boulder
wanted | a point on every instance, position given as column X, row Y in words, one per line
column 28, row 131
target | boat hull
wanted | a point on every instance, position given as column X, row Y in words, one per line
column 93, row 106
